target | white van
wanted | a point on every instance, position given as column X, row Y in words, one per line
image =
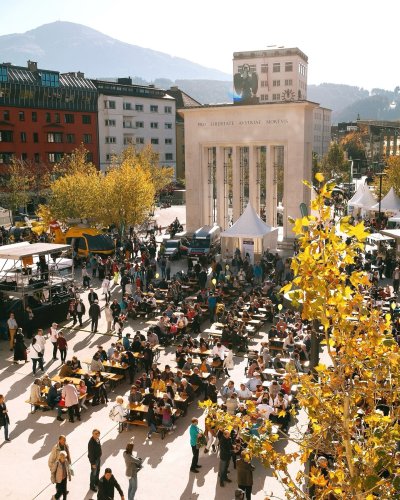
column 393, row 223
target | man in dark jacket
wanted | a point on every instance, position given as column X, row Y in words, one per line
column 107, row 485
column 54, row 397
column 92, row 296
column 245, row 474
column 225, row 453
column 94, row 455
column 94, row 313
column 80, row 310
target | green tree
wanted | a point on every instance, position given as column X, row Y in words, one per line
column 353, row 145
column 392, row 177
column 19, row 184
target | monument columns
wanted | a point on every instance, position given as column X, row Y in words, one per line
column 220, row 186
column 236, row 183
column 253, row 186
column 270, row 210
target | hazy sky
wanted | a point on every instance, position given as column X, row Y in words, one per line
column 353, row 42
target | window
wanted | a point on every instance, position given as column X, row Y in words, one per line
column 168, row 125
column 302, row 69
column 108, row 157
column 87, row 138
column 264, row 83
column 35, row 137
column 169, row 156
column 154, row 141
column 57, row 118
column 86, row 119
column 139, row 140
column 50, row 79
column 23, row 136
column 111, row 140
column 109, row 104
column 69, row 118
column 36, row 157
column 168, row 109
column 34, row 116
column 264, row 97
column 54, row 157
column 89, row 156
column 3, row 74
column 21, row 116
column 289, row 82
column 54, row 137
column 138, row 107
column 168, row 141
column 70, row 138
column 276, row 68
column 109, row 123
column 128, row 140
column 276, row 83
column 139, row 125
column 6, row 157
column 24, row 156
column 6, row 115
column 6, row 136
column 127, row 105
column 154, row 125
column 48, row 118
column 127, row 124
column 153, row 108
column 264, row 68
column 288, row 66
column 276, row 97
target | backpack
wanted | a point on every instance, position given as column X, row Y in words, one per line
column 112, row 413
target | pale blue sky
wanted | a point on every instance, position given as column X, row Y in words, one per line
column 354, row 41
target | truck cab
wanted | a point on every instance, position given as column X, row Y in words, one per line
column 205, row 242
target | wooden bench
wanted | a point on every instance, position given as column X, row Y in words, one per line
column 121, row 425
column 42, row 404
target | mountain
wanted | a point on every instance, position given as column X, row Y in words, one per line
column 66, row 46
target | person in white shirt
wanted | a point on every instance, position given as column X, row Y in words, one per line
column 71, row 398
column 118, row 412
column 232, row 404
column 53, row 339
column 227, row 390
column 254, row 382
column 152, row 338
column 244, row 393
column 106, row 288
column 265, row 409
column 40, row 340
column 219, row 350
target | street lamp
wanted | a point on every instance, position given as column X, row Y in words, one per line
column 380, row 175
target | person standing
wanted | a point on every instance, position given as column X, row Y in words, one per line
column 92, row 296
column 94, row 313
column 133, row 465
column 62, row 347
column 60, row 473
column 225, row 453
column 396, row 279
column 28, row 322
column 107, row 485
column 53, row 339
column 60, row 446
column 109, row 316
column 245, row 473
column 71, row 398
column 4, row 418
column 41, row 340
column 94, row 455
column 106, row 288
column 19, row 347
column 36, row 355
column 80, row 310
column 12, row 326
column 195, row 432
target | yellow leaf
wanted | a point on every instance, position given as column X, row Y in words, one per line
column 319, row 177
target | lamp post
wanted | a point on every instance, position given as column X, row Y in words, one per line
column 380, row 175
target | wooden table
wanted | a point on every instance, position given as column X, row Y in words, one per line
column 197, row 352
column 74, row 380
column 269, row 373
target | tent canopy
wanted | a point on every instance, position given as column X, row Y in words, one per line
column 390, row 203
column 249, row 225
column 366, row 200
column 357, row 195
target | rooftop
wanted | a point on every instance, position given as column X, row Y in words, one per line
column 273, row 52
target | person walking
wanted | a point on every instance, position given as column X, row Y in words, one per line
column 225, row 453
column 19, row 347
column 60, row 473
column 95, row 314
column 80, row 310
column 109, row 316
column 41, row 340
column 4, row 418
column 62, row 347
column 396, row 279
column 60, row 446
column 106, row 288
column 53, row 339
column 12, row 326
column 195, row 432
column 71, row 398
column 92, row 296
column 107, row 485
column 133, row 465
column 94, row 455
column 245, row 473
column 36, row 355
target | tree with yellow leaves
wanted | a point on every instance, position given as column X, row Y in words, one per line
column 362, row 376
column 392, row 177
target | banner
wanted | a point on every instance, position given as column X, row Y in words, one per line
column 248, row 248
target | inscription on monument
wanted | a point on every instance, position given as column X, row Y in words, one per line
column 241, row 123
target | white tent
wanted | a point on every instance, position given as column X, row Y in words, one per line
column 366, row 201
column 390, row 203
column 357, row 195
column 249, row 231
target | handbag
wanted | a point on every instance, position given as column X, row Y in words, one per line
column 201, row 441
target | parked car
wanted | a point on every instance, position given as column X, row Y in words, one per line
column 174, row 249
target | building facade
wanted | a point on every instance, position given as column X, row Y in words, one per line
column 252, row 153
column 322, row 131
column 45, row 114
column 271, row 75
column 135, row 115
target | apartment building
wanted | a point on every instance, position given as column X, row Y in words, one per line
column 138, row 115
